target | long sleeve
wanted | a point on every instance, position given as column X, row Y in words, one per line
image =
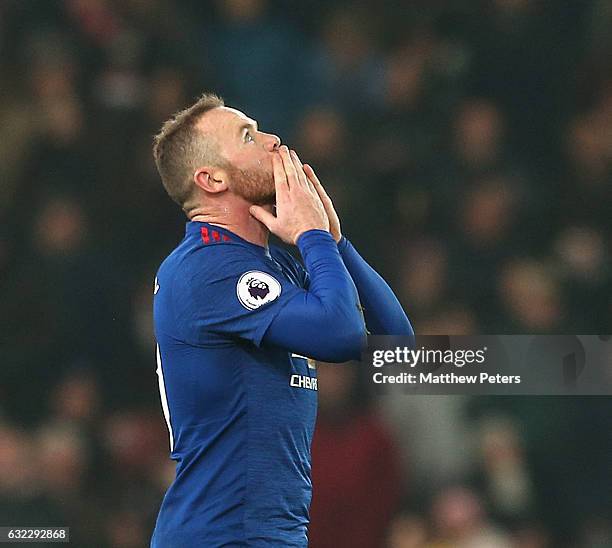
column 383, row 312
column 324, row 322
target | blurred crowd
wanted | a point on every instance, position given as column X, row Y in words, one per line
column 468, row 148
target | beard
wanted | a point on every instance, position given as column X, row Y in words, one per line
column 255, row 186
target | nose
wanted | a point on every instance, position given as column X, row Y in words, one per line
column 272, row 142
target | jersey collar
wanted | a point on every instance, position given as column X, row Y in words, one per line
column 213, row 234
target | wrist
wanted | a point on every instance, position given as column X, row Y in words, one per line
column 300, row 233
column 313, row 235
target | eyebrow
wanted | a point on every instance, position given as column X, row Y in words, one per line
column 252, row 124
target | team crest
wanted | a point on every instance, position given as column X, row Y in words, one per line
column 257, row 288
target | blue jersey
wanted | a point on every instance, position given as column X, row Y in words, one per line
column 240, row 414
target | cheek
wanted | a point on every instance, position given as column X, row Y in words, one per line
column 262, row 160
column 266, row 164
column 252, row 159
column 255, row 161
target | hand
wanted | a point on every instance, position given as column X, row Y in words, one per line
column 334, row 220
column 298, row 206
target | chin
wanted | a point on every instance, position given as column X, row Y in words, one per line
column 256, row 187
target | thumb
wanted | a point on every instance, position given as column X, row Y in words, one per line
column 264, row 217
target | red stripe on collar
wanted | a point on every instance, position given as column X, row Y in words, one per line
column 213, row 236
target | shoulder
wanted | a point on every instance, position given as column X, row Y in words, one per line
column 216, row 269
column 218, row 258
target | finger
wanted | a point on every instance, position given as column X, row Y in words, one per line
column 312, row 177
column 291, row 173
column 300, row 170
column 263, row 216
column 280, row 179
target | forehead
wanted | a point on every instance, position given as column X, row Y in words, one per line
column 224, row 121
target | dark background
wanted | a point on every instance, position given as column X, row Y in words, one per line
column 468, row 148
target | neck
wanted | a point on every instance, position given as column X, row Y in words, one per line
column 236, row 218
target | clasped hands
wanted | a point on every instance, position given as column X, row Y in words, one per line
column 301, row 201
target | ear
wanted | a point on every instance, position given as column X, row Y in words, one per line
column 210, row 179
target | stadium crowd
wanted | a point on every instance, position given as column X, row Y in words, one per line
column 468, row 148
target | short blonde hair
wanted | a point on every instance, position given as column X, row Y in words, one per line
column 179, row 149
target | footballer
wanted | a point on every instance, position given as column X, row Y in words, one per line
column 239, row 324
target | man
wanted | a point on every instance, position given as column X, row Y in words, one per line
column 238, row 323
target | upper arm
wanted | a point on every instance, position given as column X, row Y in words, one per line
column 226, row 290
column 325, row 321
column 308, row 327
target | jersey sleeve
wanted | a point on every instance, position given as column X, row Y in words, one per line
column 325, row 322
column 383, row 312
column 228, row 290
